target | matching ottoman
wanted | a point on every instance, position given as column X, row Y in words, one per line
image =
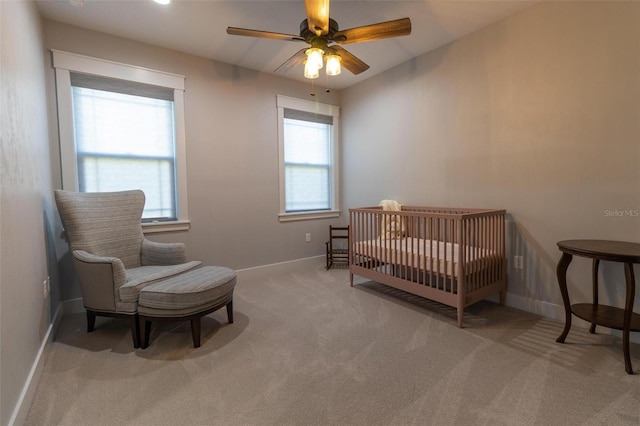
column 186, row 296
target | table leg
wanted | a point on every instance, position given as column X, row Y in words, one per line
column 596, row 263
column 628, row 310
column 561, row 272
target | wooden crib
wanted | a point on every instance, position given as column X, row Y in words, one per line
column 452, row 256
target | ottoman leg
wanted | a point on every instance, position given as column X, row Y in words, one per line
column 91, row 320
column 135, row 331
column 230, row 311
column 145, row 332
column 195, row 331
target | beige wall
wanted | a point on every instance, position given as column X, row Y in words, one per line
column 25, row 203
column 538, row 114
column 232, row 153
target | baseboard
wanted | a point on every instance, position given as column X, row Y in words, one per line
column 545, row 309
column 21, row 410
column 75, row 306
column 282, row 267
column 538, row 307
column 556, row 312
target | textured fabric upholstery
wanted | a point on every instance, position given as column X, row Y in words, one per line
column 179, row 313
column 111, row 257
column 186, row 296
column 99, row 278
column 139, row 278
column 104, row 224
column 153, row 253
column 118, row 268
column 119, row 273
column 189, row 292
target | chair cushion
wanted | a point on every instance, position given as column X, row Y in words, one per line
column 198, row 289
column 127, row 307
column 140, row 277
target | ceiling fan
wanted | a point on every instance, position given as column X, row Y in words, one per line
column 324, row 37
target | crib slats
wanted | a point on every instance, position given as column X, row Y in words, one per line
column 451, row 255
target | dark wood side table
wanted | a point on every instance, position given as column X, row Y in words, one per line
column 607, row 316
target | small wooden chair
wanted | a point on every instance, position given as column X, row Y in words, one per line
column 338, row 245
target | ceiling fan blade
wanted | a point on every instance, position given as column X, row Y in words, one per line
column 262, row 34
column 293, row 61
column 350, row 61
column 398, row 27
column 317, row 16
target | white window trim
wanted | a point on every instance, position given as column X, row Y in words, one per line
column 65, row 63
column 324, row 109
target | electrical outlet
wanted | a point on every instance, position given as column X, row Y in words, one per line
column 45, row 287
column 307, row 238
column 518, row 262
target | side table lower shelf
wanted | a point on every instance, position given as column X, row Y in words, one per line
column 606, row 316
column 627, row 253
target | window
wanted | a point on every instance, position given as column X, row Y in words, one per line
column 121, row 128
column 307, row 134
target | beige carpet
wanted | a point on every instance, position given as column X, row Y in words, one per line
column 307, row 349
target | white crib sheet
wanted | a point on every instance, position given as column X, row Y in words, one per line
column 426, row 255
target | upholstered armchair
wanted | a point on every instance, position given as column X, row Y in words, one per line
column 112, row 258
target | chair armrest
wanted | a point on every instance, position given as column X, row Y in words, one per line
column 119, row 273
column 99, row 277
column 155, row 253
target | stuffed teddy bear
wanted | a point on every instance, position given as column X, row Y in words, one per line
column 392, row 225
column 393, row 229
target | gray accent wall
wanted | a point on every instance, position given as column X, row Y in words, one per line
column 232, row 153
column 538, row 114
column 27, row 255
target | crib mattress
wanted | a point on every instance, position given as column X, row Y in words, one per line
column 426, row 255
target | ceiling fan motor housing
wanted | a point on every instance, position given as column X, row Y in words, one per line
column 329, row 42
column 307, row 34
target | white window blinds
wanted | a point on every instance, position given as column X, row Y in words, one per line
column 125, row 139
column 307, row 161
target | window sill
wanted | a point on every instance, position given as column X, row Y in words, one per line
column 176, row 225
column 290, row 217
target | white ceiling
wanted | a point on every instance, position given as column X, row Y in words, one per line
column 199, row 27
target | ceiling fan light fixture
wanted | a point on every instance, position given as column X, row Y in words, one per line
column 333, row 65
column 315, row 57
column 325, row 39
column 311, row 71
